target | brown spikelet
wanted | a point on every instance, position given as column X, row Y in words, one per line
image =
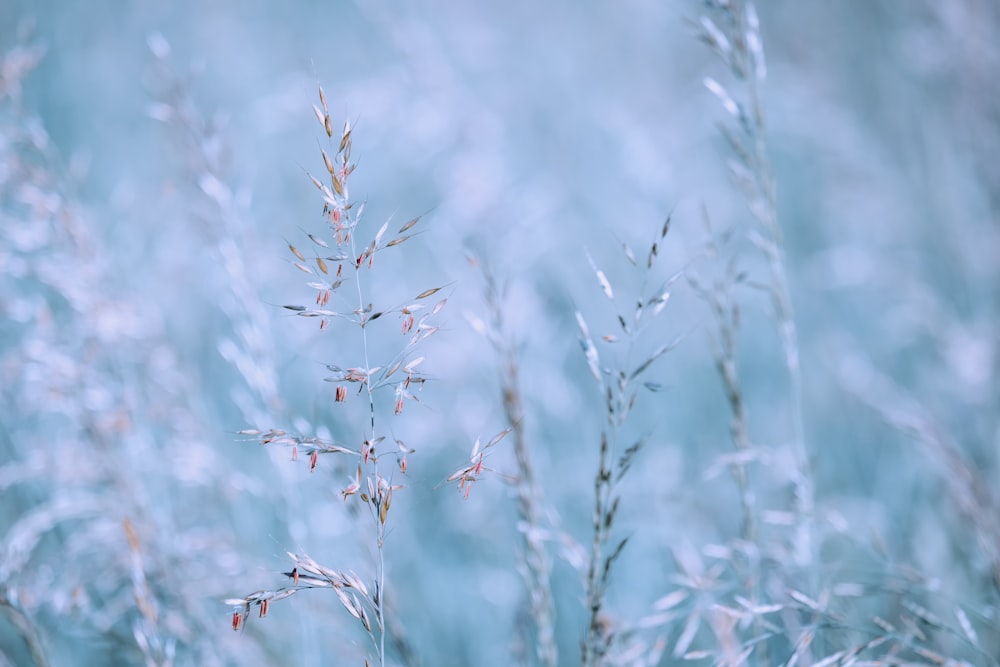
column 427, row 293
column 345, row 138
column 409, row 224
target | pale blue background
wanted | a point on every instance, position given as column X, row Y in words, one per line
column 531, row 134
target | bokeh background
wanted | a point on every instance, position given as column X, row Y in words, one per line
column 153, row 168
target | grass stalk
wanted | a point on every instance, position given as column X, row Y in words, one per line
column 537, row 564
column 372, row 485
column 618, row 385
column 733, row 32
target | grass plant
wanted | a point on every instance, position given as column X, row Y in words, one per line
column 337, row 267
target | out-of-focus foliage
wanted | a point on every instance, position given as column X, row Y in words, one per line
column 153, row 163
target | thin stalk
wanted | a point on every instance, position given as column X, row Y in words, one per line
column 738, row 44
column 617, row 387
column 379, row 526
column 538, row 566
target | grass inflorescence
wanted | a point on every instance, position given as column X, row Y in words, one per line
column 337, row 266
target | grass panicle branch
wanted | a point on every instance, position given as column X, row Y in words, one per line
column 531, row 504
column 732, row 30
column 618, row 383
column 334, row 260
column 725, row 309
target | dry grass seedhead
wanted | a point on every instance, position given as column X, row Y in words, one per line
column 732, row 30
column 618, row 384
column 336, row 263
column 531, row 505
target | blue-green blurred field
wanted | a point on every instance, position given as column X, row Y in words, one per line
column 154, row 162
